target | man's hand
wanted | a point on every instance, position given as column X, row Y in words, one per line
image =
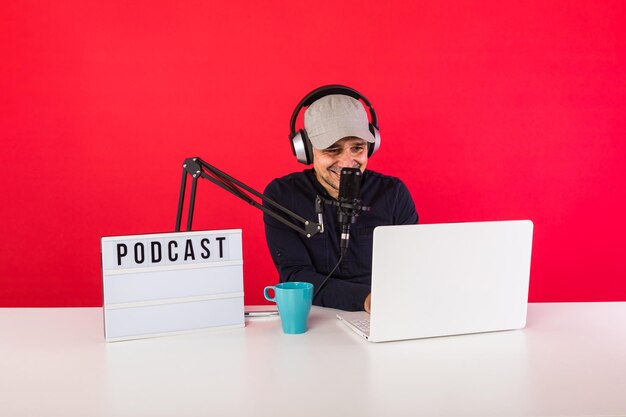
column 368, row 301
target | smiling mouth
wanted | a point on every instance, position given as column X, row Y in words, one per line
column 335, row 171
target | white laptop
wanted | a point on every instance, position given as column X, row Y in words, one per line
column 447, row 279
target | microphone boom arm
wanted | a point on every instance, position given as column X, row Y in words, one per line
column 197, row 168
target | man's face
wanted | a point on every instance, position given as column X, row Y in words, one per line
column 348, row 152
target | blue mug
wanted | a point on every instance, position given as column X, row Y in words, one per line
column 293, row 300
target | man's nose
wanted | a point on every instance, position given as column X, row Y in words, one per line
column 346, row 160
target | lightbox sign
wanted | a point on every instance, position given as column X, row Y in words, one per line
column 158, row 284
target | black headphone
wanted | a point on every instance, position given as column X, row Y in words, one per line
column 301, row 145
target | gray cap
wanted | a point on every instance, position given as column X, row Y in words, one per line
column 335, row 117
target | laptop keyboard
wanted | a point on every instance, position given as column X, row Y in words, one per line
column 362, row 324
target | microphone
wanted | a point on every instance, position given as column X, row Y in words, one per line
column 349, row 203
column 348, row 208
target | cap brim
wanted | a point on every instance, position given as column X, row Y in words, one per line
column 326, row 139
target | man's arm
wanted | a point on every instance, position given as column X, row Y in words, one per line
column 403, row 207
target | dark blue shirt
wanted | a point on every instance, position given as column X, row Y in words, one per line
column 298, row 258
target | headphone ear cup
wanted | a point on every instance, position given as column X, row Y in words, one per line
column 372, row 148
column 302, row 148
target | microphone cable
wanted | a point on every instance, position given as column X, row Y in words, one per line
column 327, row 277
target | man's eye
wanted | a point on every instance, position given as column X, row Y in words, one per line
column 332, row 151
column 358, row 149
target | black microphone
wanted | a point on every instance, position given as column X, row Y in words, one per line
column 349, row 203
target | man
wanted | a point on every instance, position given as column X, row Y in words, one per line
column 337, row 127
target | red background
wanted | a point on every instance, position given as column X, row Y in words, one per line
column 488, row 110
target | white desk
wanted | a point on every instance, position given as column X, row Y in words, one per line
column 570, row 360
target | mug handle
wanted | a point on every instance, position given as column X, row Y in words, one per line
column 266, row 295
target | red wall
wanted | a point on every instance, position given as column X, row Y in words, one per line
column 488, row 110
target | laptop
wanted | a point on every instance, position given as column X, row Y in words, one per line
column 446, row 279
